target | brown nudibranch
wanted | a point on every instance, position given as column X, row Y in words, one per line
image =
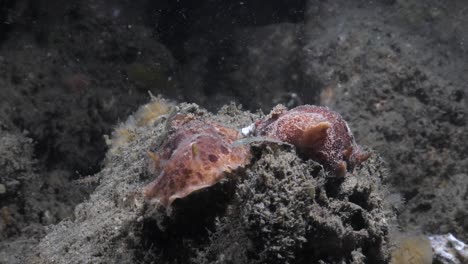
column 318, row 133
column 195, row 156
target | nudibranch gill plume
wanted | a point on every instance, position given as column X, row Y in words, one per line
column 318, row 133
column 196, row 155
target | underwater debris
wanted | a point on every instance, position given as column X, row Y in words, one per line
column 448, row 249
column 197, row 155
column 318, row 133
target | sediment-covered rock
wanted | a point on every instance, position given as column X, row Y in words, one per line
column 279, row 208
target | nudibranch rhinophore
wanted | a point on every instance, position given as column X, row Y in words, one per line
column 318, row 133
column 195, row 156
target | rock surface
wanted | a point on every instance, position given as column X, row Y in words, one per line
column 279, row 209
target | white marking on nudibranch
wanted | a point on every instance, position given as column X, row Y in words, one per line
column 248, row 130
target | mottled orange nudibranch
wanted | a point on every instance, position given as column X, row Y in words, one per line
column 195, row 156
column 318, row 133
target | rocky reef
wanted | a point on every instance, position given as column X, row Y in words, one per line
column 280, row 208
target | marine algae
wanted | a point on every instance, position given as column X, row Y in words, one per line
column 146, row 115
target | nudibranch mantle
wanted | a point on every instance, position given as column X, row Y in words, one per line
column 195, row 156
column 318, row 133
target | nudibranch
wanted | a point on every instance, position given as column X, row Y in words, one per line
column 196, row 155
column 318, row 133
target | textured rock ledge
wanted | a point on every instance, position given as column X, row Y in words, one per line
column 279, row 209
